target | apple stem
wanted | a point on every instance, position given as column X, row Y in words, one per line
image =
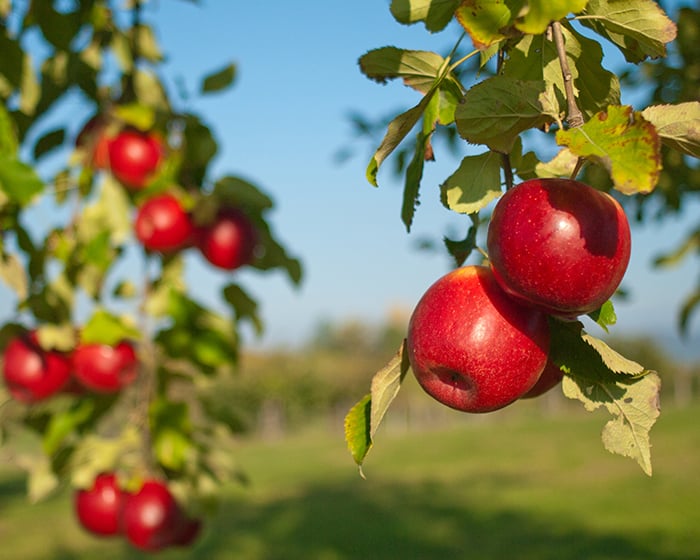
column 505, row 158
column 507, row 170
column 577, row 167
column 574, row 114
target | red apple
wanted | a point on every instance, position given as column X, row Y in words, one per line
column 550, row 378
column 31, row 373
column 230, row 241
column 103, row 368
column 99, row 508
column 152, row 519
column 559, row 245
column 134, row 157
column 187, row 531
column 471, row 346
column 95, row 142
column 162, row 224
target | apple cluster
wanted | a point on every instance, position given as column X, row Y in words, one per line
column 32, row 373
column 479, row 338
column 163, row 224
column 150, row 519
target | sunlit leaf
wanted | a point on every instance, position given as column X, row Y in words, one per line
column 621, row 141
column 357, row 430
column 418, row 69
column 540, row 13
column 104, row 327
column 363, row 420
column 534, row 57
column 475, row 183
column 605, row 316
column 599, row 377
column 486, row 21
column 561, row 165
column 19, row 181
column 677, row 125
column 14, row 275
column 436, row 14
column 640, row 28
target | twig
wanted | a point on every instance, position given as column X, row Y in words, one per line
column 505, row 158
column 507, row 170
column 574, row 115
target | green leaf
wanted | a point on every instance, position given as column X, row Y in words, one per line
column 538, row 14
column 41, row 480
column 475, row 183
column 397, row 130
column 690, row 304
column 677, row 125
column 634, row 407
column 363, row 419
column 95, row 454
column 149, row 90
column 8, row 137
column 418, row 69
column 239, row 193
column 640, row 28
column 561, row 165
column 19, row 181
column 14, row 274
column 245, row 307
column 171, row 427
column 63, row 423
column 145, row 43
column 137, row 115
column 110, row 212
column 461, row 249
column 598, row 376
column 414, row 174
column 605, row 316
column 487, row 21
column 60, row 337
column 436, row 14
column 621, row 141
column 59, row 28
column 49, row 141
column 219, row 80
column 534, row 57
column 357, row 430
column 105, row 328
column 495, row 111
column 691, row 244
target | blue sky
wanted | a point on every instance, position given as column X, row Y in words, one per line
column 282, row 123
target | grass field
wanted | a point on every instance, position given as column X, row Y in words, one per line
column 524, row 487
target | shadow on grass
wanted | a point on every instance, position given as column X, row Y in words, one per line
column 421, row 522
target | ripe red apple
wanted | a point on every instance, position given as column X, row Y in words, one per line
column 99, row 508
column 162, row 224
column 471, row 346
column 230, row 241
column 550, row 378
column 31, row 373
column 187, row 531
column 134, row 157
column 93, row 139
column 559, row 245
column 153, row 520
column 103, row 368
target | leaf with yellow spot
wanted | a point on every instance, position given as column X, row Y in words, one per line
column 624, row 143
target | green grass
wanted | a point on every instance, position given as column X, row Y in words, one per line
column 523, row 486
